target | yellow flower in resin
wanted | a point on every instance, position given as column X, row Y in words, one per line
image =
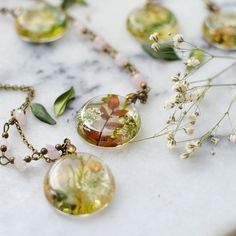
column 41, row 24
column 219, row 29
column 152, row 18
column 79, row 184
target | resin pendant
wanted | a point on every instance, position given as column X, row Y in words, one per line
column 41, row 24
column 108, row 121
column 219, row 29
column 152, row 18
column 79, row 184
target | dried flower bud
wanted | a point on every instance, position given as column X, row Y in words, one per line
column 154, row 37
column 155, row 46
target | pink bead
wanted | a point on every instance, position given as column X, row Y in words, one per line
column 4, row 142
column 99, row 43
column 138, row 79
column 53, row 154
column 79, row 26
column 20, row 117
column 121, row 60
column 20, row 164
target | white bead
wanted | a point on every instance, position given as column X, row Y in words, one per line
column 4, row 142
column 138, row 79
column 53, row 154
column 20, row 116
column 20, row 164
column 99, row 43
column 121, row 60
column 79, row 26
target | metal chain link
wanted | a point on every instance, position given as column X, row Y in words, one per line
column 30, row 96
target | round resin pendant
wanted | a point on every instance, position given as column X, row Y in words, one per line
column 108, row 121
column 79, row 184
column 41, row 24
column 219, row 28
column 150, row 19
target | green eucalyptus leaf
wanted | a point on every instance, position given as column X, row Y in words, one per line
column 41, row 113
column 68, row 3
column 198, row 54
column 63, row 100
column 166, row 52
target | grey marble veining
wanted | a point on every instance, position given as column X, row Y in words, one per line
column 157, row 193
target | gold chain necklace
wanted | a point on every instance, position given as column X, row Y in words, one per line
column 77, row 183
column 111, row 120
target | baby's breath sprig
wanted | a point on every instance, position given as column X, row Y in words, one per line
column 187, row 97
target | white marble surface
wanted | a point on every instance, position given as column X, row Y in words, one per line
column 157, row 193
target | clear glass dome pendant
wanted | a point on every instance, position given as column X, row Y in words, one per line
column 151, row 18
column 108, row 121
column 42, row 23
column 219, row 28
column 79, row 184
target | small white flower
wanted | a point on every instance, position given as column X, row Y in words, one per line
column 232, row 138
column 192, row 117
column 185, row 155
column 169, row 104
column 171, row 120
column 215, row 140
column 177, row 39
column 178, row 98
column 155, row 46
column 192, row 146
column 171, row 145
column 175, row 78
column 180, row 87
column 189, row 130
column 154, row 37
column 192, row 62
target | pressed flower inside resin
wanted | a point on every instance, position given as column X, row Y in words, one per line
column 108, row 121
column 219, row 28
column 152, row 18
column 41, row 24
column 79, row 184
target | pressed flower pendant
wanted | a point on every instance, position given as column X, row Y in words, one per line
column 219, row 28
column 41, row 24
column 108, row 121
column 152, row 18
column 79, row 184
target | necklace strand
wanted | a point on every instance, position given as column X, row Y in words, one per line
column 64, row 148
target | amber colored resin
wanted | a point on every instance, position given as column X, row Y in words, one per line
column 219, row 29
column 108, row 121
column 79, row 184
column 152, row 18
column 41, row 24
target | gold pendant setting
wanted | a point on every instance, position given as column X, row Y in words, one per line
column 152, row 18
column 108, row 121
column 41, row 24
column 79, row 184
column 219, row 28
